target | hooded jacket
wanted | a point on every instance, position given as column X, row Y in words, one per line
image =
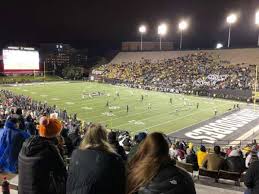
column 11, row 140
column 41, row 167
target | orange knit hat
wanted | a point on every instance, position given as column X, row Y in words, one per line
column 49, row 127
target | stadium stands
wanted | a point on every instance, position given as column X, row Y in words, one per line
column 235, row 56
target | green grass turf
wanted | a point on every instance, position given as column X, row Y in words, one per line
column 162, row 116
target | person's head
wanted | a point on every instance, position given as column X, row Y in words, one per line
column 141, row 136
column 202, row 148
column 19, row 111
column 49, row 127
column 217, row 149
column 112, row 137
column 152, row 153
column 173, row 146
column 96, row 138
column 12, row 122
column 188, row 151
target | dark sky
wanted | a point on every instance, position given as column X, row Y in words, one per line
column 105, row 23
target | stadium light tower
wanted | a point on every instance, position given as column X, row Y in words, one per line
column 257, row 23
column 183, row 25
column 231, row 19
column 142, row 30
column 162, row 30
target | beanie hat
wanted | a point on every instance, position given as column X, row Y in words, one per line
column 49, row 127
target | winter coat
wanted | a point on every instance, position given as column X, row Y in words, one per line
column 41, row 167
column 251, row 178
column 11, row 140
column 234, row 164
column 213, row 162
column 170, row 180
column 93, row 171
column 192, row 159
column 201, row 157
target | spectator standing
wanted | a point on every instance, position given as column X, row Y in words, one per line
column 191, row 158
column 214, row 161
column 251, row 178
column 95, row 167
column 11, row 140
column 201, row 155
column 41, row 166
column 152, row 171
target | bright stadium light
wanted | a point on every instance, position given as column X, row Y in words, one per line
column 219, row 46
column 142, row 29
column 231, row 19
column 161, row 30
column 183, row 25
column 257, row 23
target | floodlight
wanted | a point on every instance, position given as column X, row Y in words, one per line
column 142, row 29
column 162, row 29
column 219, row 46
column 257, row 18
column 183, row 25
column 232, row 18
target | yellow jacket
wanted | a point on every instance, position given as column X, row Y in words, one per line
column 200, row 157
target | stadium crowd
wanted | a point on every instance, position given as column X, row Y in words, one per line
column 181, row 75
column 35, row 144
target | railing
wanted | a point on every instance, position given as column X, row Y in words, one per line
column 222, row 143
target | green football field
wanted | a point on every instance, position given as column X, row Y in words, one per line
column 154, row 113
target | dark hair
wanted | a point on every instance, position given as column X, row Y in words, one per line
column 19, row 111
column 217, row 149
column 152, row 154
column 203, row 149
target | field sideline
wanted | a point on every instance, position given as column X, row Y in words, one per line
column 163, row 116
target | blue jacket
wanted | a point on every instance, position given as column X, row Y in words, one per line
column 11, row 140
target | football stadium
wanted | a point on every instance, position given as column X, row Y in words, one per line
column 158, row 115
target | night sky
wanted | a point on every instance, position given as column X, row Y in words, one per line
column 103, row 24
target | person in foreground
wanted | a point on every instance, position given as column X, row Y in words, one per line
column 95, row 167
column 11, row 140
column 251, row 178
column 151, row 170
column 41, row 167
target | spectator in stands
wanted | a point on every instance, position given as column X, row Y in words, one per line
column 201, row 155
column 173, row 151
column 95, row 167
column 30, row 126
column 11, row 140
column 214, row 161
column 229, row 150
column 41, row 166
column 181, row 152
column 20, row 118
column 152, row 171
column 191, row 158
column 253, row 155
column 67, row 142
column 234, row 162
column 112, row 139
column 251, row 178
column 139, row 138
column 75, row 137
